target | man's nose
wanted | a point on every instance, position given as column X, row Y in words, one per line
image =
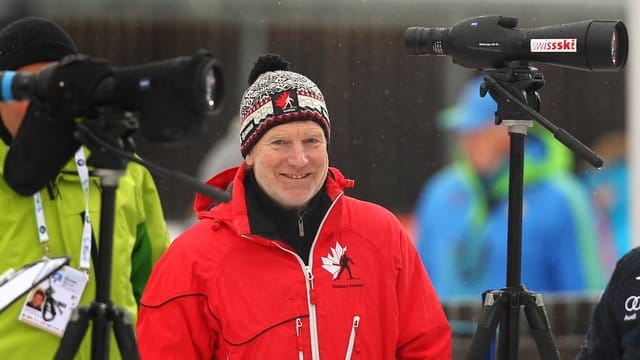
column 297, row 155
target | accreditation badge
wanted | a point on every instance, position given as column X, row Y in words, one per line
column 51, row 310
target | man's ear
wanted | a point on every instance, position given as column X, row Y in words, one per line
column 249, row 159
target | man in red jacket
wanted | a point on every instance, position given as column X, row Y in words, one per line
column 258, row 277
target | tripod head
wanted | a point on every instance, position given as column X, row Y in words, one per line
column 109, row 136
column 115, row 129
column 522, row 83
column 515, row 92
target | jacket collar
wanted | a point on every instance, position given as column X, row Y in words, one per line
column 235, row 211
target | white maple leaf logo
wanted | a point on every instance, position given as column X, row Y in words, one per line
column 331, row 263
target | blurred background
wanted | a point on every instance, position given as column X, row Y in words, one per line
column 382, row 102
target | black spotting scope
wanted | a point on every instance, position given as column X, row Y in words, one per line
column 492, row 42
column 171, row 97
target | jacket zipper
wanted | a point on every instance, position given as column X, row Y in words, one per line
column 313, row 325
column 313, row 321
column 352, row 337
column 300, row 224
column 299, row 337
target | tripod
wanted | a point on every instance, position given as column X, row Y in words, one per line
column 515, row 92
column 111, row 145
column 101, row 311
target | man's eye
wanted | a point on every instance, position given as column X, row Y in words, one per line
column 277, row 142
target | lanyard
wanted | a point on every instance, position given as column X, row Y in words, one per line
column 85, row 246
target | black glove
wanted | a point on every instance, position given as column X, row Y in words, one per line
column 42, row 146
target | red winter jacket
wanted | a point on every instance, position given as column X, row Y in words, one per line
column 221, row 292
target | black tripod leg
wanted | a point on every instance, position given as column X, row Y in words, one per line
column 539, row 324
column 508, row 343
column 100, row 332
column 492, row 310
column 73, row 334
column 125, row 336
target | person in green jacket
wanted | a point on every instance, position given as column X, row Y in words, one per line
column 53, row 221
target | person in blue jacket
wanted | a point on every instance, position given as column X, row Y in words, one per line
column 609, row 188
column 461, row 214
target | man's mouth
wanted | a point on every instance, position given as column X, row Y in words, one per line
column 292, row 176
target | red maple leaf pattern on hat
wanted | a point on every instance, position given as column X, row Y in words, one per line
column 284, row 100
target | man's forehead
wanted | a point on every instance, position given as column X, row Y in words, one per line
column 295, row 127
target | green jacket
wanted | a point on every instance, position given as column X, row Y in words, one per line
column 140, row 237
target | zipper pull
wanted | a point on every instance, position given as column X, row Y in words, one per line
column 356, row 321
column 298, row 326
column 309, row 276
column 312, row 294
column 300, row 224
column 299, row 338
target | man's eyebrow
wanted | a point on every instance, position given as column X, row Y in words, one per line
column 273, row 136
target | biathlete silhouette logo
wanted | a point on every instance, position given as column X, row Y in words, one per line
column 337, row 261
column 286, row 101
